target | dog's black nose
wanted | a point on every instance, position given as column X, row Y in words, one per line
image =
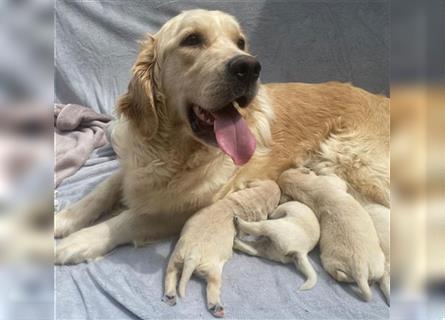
column 245, row 68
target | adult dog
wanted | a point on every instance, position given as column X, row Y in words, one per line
column 196, row 124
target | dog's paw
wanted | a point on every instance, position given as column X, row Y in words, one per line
column 217, row 310
column 85, row 245
column 64, row 223
column 170, row 300
column 236, row 220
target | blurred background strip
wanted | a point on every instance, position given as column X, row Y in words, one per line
column 26, row 157
column 418, row 160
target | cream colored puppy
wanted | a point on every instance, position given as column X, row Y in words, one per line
column 380, row 215
column 291, row 232
column 350, row 249
column 206, row 240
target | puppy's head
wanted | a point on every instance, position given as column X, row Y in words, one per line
column 304, row 181
column 298, row 184
column 197, row 69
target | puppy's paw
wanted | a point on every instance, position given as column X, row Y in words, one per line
column 217, row 310
column 170, row 300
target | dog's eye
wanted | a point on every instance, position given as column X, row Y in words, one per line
column 193, row 39
column 241, row 43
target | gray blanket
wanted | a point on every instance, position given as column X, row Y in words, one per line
column 310, row 41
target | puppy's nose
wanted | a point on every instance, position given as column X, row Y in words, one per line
column 245, row 68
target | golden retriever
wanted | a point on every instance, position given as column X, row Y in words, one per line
column 197, row 124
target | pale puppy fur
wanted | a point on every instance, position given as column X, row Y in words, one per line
column 381, row 218
column 291, row 232
column 167, row 174
column 349, row 246
column 206, row 240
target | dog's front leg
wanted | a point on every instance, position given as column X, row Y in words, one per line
column 84, row 212
column 96, row 241
column 127, row 227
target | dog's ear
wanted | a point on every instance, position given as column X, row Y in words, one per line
column 138, row 105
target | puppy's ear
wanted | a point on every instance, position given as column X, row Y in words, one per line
column 138, row 105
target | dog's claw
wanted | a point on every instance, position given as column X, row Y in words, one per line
column 217, row 310
column 170, row 300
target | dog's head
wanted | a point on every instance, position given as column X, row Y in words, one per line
column 194, row 73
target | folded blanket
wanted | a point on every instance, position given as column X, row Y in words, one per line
column 78, row 131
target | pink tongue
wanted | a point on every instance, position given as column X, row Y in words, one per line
column 233, row 135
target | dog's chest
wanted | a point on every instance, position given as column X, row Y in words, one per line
column 173, row 187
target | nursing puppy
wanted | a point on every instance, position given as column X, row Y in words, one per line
column 350, row 250
column 291, row 232
column 206, row 240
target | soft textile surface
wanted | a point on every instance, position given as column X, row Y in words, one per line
column 128, row 283
column 295, row 41
column 78, row 131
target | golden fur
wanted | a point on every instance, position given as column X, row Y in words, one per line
column 167, row 174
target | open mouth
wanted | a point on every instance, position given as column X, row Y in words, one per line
column 224, row 128
column 201, row 122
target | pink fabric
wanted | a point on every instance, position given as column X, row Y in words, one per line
column 78, row 131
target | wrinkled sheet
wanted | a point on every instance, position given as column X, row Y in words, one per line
column 78, row 130
column 295, row 41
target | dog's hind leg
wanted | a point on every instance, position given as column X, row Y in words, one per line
column 385, row 285
column 187, row 271
column 302, row 263
column 84, row 212
column 253, row 248
column 262, row 247
column 213, row 278
column 252, row 228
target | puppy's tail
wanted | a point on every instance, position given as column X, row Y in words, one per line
column 302, row 263
column 187, row 271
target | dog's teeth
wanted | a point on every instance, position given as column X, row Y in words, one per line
column 203, row 115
